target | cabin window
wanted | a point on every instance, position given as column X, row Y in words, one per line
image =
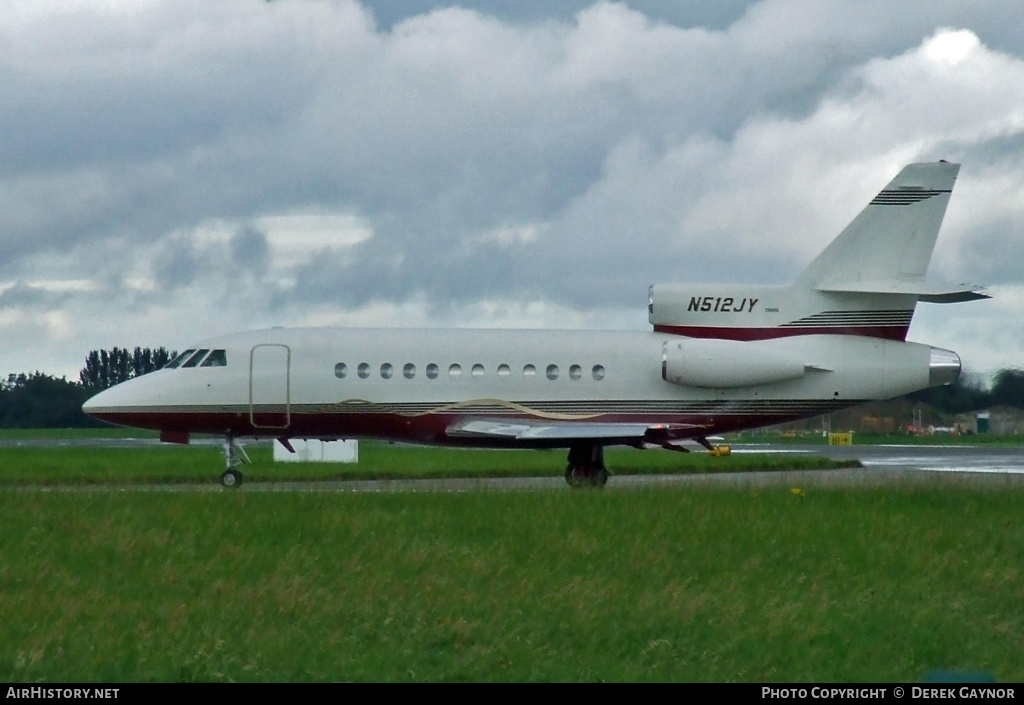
column 598, row 372
column 180, row 359
column 194, row 360
column 478, row 370
column 432, row 370
column 575, row 372
column 363, row 370
column 529, row 371
column 340, row 370
column 504, row 370
column 552, row 372
column 218, row 358
column 409, row 371
column 386, row 370
column 455, row 370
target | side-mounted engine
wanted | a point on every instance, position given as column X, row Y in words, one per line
column 722, row 364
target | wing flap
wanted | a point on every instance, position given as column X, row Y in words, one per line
column 527, row 430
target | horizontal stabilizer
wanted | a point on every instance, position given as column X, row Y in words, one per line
column 931, row 292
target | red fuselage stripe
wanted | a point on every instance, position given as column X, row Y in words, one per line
column 898, row 333
column 428, row 429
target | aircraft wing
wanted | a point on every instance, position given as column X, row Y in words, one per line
column 530, row 430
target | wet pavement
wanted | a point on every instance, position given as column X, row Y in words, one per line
column 939, row 458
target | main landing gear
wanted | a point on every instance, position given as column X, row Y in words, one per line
column 586, row 466
column 234, row 456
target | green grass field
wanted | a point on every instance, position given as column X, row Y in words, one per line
column 669, row 584
column 672, row 584
column 17, row 434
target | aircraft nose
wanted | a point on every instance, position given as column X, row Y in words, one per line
column 118, row 399
column 96, row 404
column 125, row 404
column 91, row 403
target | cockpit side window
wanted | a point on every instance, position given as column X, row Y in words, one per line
column 180, row 359
column 217, row 358
column 194, row 360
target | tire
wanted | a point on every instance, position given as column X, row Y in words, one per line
column 570, row 476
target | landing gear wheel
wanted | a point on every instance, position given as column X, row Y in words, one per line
column 234, row 455
column 586, row 467
column 578, row 477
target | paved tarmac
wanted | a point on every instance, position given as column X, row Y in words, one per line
column 937, row 458
column 888, row 465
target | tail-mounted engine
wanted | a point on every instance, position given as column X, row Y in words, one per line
column 698, row 362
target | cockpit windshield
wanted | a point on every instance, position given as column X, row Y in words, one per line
column 194, row 360
column 217, row 358
column 176, row 362
column 199, row 358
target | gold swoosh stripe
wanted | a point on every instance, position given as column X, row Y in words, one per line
column 488, row 405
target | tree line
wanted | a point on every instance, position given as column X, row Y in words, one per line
column 970, row 394
column 39, row 400
column 105, row 368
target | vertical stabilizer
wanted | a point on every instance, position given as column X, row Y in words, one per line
column 867, row 282
column 892, row 239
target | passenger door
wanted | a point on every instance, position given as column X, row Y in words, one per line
column 270, row 386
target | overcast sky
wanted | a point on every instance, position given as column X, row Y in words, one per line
column 172, row 170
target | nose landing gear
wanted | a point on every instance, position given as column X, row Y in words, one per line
column 234, row 457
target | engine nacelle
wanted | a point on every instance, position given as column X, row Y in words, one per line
column 702, row 362
column 726, row 305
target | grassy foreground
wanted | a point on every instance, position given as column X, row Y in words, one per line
column 16, row 434
column 204, row 464
column 678, row 584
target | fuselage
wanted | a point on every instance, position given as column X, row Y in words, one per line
column 719, row 358
column 416, row 384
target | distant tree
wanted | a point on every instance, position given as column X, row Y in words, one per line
column 105, row 368
column 966, row 394
column 1008, row 388
column 41, row 401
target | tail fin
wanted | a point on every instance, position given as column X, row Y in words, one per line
column 887, row 247
column 867, row 282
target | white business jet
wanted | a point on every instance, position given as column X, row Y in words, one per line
column 719, row 358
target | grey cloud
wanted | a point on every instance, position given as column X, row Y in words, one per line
column 249, row 250
column 178, row 264
column 684, row 13
column 235, row 132
column 991, row 254
column 640, row 142
column 26, row 296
